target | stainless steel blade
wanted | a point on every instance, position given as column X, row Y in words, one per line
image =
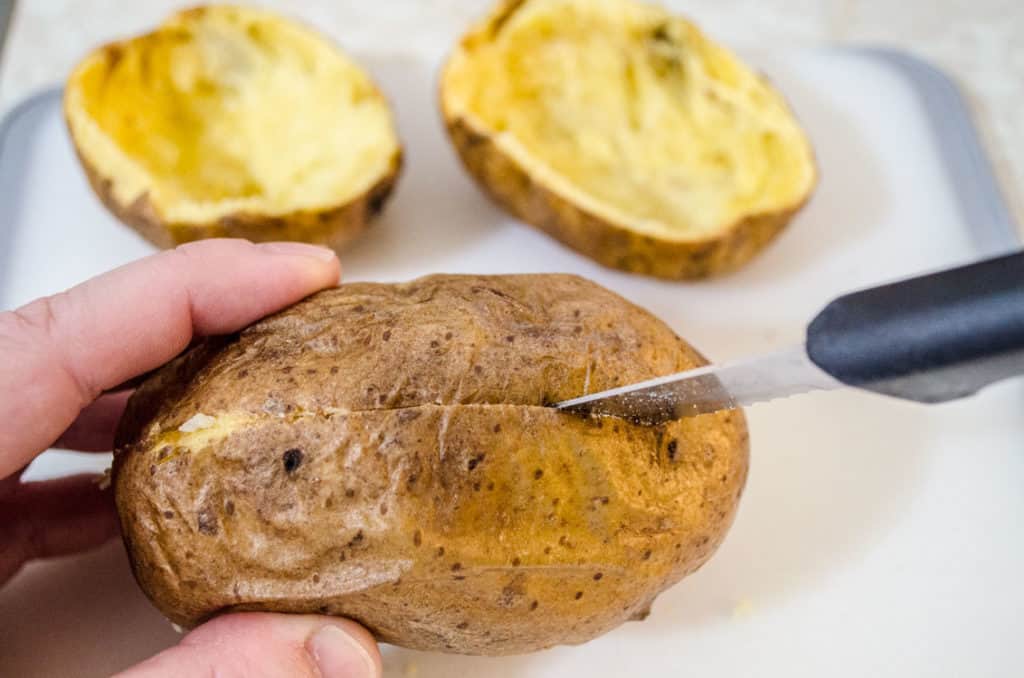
column 708, row 389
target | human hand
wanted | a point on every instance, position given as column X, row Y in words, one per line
column 58, row 358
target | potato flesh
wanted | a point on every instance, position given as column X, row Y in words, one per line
column 638, row 111
column 229, row 110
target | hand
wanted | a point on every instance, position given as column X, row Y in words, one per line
column 58, row 358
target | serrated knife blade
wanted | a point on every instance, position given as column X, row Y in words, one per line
column 709, row 389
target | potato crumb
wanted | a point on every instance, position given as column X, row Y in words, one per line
column 103, row 482
column 744, row 609
column 411, row 670
column 197, row 423
column 177, row 629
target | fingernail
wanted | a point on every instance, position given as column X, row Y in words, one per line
column 299, row 249
column 339, row 655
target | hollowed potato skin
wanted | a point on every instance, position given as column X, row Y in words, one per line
column 336, row 227
column 522, row 192
column 334, row 222
column 611, row 244
column 451, row 515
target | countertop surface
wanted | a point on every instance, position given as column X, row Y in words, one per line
column 979, row 42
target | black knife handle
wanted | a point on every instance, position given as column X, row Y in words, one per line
column 930, row 339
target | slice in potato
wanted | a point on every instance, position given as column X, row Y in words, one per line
column 625, row 133
column 227, row 121
column 382, row 452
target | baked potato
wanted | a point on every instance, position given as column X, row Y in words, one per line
column 383, row 452
column 625, row 133
column 226, row 121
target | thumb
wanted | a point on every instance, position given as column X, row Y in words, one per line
column 254, row 644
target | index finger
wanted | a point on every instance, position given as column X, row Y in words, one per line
column 59, row 353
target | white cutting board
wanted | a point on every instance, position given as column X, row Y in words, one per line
column 875, row 537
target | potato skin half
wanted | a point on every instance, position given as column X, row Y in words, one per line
column 514, row 188
column 439, row 503
column 334, row 227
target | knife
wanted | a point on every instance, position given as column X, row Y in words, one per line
column 929, row 339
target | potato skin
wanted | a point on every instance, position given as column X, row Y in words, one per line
column 335, row 223
column 390, row 460
column 334, row 227
column 611, row 244
column 512, row 186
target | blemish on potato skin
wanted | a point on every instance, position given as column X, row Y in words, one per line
column 206, row 522
column 229, row 507
column 598, row 576
column 673, row 447
column 647, row 555
column 440, row 551
column 417, row 538
column 456, row 567
column 579, row 594
column 462, row 625
column 168, row 514
column 538, row 474
column 292, row 459
column 533, row 605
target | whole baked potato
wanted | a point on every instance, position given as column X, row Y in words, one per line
column 233, row 121
column 383, row 452
column 627, row 134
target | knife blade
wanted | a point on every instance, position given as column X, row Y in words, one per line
column 929, row 339
column 709, row 389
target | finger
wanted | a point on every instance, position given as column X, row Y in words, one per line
column 93, row 429
column 59, row 353
column 53, row 518
column 255, row 644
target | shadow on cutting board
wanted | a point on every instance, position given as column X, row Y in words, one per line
column 823, row 491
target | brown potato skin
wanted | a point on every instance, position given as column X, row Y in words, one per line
column 608, row 243
column 334, row 227
column 435, row 499
column 614, row 245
